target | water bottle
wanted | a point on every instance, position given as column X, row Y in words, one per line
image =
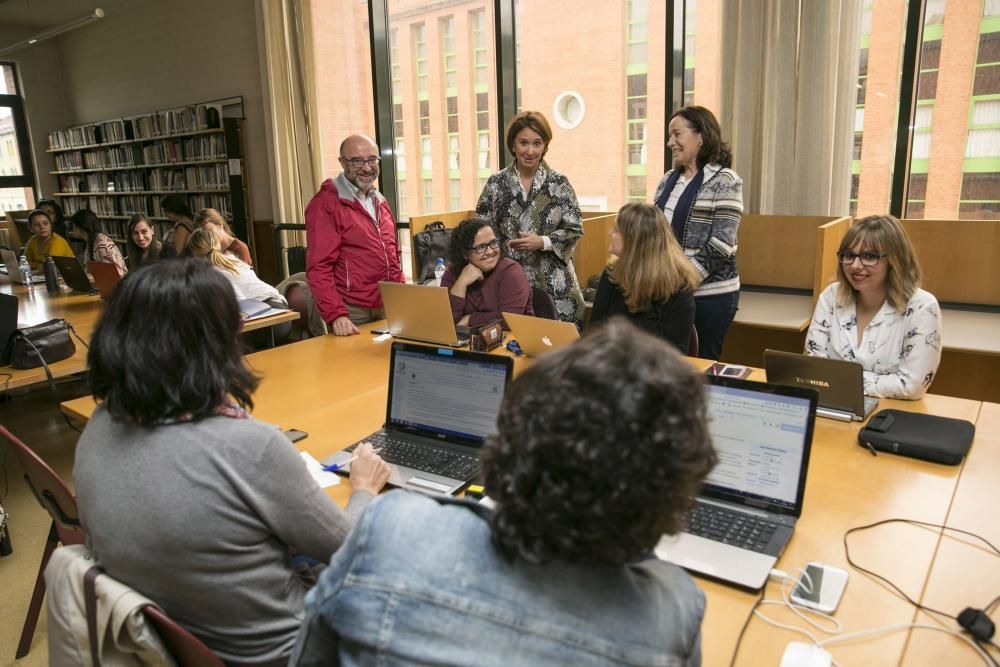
column 438, row 271
column 25, row 269
column 51, row 275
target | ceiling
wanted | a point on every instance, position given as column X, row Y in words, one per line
column 42, row 14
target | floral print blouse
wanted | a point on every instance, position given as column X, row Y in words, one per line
column 899, row 350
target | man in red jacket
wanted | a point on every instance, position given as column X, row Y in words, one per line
column 351, row 241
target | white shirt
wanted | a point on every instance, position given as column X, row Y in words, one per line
column 247, row 285
column 900, row 351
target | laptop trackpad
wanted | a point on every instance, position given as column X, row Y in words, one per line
column 715, row 559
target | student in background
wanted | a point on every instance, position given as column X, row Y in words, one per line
column 44, row 242
column 52, row 207
column 141, row 243
column 877, row 315
column 84, row 226
column 481, row 282
column 649, row 280
column 183, row 495
column 599, row 450
column 210, row 219
column 204, row 243
column 175, row 208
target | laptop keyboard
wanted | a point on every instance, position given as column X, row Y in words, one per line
column 419, row 456
column 729, row 527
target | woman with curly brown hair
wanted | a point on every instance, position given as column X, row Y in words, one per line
column 561, row 571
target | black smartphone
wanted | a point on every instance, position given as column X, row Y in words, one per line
column 295, row 434
column 379, row 331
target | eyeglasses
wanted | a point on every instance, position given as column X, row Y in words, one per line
column 867, row 258
column 483, row 247
column 358, row 162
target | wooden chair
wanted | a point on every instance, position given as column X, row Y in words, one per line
column 542, row 304
column 53, row 495
column 186, row 649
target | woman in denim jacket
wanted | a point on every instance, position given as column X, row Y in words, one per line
column 560, row 571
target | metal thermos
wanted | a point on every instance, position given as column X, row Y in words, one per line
column 51, row 277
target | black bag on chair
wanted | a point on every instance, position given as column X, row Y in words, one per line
column 47, row 342
column 428, row 245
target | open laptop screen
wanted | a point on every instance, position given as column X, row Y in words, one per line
column 762, row 438
column 446, row 392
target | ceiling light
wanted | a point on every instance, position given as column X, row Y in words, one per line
column 98, row 13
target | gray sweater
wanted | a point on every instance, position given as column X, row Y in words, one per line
column 199, row 516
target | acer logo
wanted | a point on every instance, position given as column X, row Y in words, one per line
column 815, row 383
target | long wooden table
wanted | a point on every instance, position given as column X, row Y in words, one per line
column 335, row 389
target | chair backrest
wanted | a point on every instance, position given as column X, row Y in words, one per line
column 295, row 255
column 186, row 649
column 693, row 342
column 49, row 490
column 18, row 230
column 542, row 304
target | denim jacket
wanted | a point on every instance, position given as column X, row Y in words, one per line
column 419, row 582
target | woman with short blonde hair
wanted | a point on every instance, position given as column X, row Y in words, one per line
column 877, row 315
column 211, row 219
column 204, row 243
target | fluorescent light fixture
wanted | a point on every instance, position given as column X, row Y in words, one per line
column 95, row 15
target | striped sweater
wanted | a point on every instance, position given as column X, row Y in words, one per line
column 710, row 231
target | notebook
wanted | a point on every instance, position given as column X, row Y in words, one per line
column 442, row 404
column 420, row 312
column 12, row 267
column 105, row 277
column 73, row 275
column 537, row 335
column 840, row 383
column 746, row 511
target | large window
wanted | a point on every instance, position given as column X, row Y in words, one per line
column 17, row 178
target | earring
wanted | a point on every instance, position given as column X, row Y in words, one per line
column 700, row 143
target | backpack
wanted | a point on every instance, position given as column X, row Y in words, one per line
column 428, row 245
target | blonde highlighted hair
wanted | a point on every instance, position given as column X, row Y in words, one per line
column 203, row 243
column 652, row 266
column 213, row 216
column 882, row 234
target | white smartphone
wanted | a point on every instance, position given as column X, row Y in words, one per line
column 822, row 589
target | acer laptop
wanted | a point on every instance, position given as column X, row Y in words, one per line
column 73, row 275
column 420, row 312
column 105, row 277
column 840, row 383
column 442, row 404
column 747, row 508
column 537, row 335
column 12, row 267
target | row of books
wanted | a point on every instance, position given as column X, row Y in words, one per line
column 117, row 181
column 160, row 152
column 145, row 204
column 137, row 128
column 205, row 177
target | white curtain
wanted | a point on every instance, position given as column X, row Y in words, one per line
column 789, row 91
column 288, row 80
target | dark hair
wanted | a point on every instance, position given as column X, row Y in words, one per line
column 86, row 220
column 461, row 241
column 600, row 448
column 176, row 205
column 133, row 255
column 533, row 120
column 139, row 370
column 713, row 148
column 58, row 221
column 37, row 212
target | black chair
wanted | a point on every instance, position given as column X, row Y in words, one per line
column 542, row 304
column 693, row 343
column 296, row 254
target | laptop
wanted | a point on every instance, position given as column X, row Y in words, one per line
column 442, row 404
column 537, row 335
column 840, row 383
column 73, row 275
column 747, row 508
column 8, row 324
column 12, row 267
column 420, row 312
column 105, row 277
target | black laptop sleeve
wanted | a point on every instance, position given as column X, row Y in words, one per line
column 937, row 439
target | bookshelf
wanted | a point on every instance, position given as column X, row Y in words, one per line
column 123, row 166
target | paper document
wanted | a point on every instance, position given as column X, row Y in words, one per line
column 322, row 477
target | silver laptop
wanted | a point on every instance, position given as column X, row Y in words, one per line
column 12, row 267
column 840, row 383
column 538, row 335
column 420, row 312
column 442, row 405
column 746, row 511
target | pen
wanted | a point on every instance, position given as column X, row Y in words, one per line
column 334, row 467
column 869, row 446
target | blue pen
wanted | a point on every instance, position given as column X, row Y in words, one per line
column 334, row 467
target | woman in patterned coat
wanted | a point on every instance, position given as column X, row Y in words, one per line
column 535, row 215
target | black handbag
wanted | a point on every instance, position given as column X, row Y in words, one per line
column 926, row 437
column 42, row 344
column 428, row 245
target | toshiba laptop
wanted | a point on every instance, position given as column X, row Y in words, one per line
column 442, row 405
column 840, row 383
column 420, row 312
column 12, row 267
column 747, row 508
column 73, row 275
column 537, row 335
column 105, row 277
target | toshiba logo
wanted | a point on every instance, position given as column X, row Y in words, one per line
column 815, row 383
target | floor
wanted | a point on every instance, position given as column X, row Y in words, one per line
column 34, row 418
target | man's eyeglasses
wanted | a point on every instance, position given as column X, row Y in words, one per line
column 483, row 247
column 358, row 162
column 867, row 258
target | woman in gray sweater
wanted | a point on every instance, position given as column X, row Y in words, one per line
column 183, row 495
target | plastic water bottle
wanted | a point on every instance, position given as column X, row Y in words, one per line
column 438, row 271
column 25, row 269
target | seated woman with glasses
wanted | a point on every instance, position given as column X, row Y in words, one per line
column 649, row 280
column 183, row 495
column 877, row 315
column 481, row 282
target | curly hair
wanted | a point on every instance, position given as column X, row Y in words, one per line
column 883, row 234
column 462, row 238
column 713, row 148
column 599, row 451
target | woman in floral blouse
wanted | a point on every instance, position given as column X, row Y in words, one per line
column 535, row 214
column 877, row 315
column 84, row 226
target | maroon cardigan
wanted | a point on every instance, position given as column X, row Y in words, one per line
column 505, row 289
